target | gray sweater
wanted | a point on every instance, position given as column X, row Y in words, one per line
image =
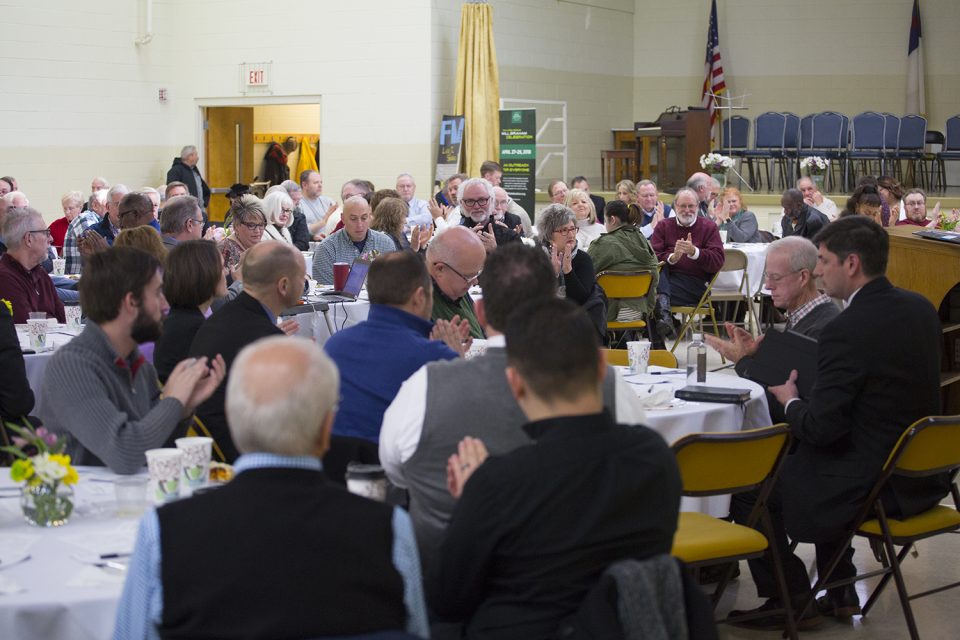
column 110, row 407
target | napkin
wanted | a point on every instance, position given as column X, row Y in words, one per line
column 90, row 576
column 660, row 397
column 120, row 539
column 9, row 587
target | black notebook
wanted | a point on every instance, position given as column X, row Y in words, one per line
column 779, row 353
column 703, row 393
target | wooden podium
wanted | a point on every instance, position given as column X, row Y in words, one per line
column 684, row 137
column 932, row 269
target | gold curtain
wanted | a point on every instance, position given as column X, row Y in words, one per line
column 478, row 87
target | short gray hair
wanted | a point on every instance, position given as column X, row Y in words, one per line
column 644, row 183
column 802, row 252
column 17, row 223
column 696, row 181
column 406, row 175
column 188, row 151
column 291, row 187
column 13, row 195
column 552, row 218
column 148, row 191
column 176, row 212
column 99, row 196
column 488, row 187
column 117, row 189
column 280, row 392
column 689, row 190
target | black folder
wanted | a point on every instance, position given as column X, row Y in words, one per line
column 779, row 353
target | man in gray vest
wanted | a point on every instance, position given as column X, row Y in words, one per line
column 443, row 402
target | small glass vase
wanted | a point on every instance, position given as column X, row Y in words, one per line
column 47, row 505
column 721, row 177
column 817, row 181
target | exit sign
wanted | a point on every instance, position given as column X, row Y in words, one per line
column 255, row 77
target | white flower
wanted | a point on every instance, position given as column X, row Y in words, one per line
column 716, row 161
column 46, row 469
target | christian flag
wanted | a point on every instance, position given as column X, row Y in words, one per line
column 915, row 92
column 713, row 79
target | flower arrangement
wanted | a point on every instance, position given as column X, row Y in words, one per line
column 716, row 162
column 948, row 221
column 47, row 472
column 370, row 256
column 815, row 165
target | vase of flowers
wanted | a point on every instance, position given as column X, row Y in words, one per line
column 47, row 495
column 816, row 168
column 717, row 164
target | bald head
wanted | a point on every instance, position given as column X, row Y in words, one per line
column 454, row 259
column 267, row 262
column 281, row 397
column 701, row 184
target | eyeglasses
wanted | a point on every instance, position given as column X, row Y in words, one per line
column 472, row 278
column 566, row 230
column 777, row 277
column 286, row 210
column 46, row 232
column 503, row 203
column 474, row 202
column 254, row 226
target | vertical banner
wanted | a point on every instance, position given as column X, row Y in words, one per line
column 518, row 155
column 450, row 147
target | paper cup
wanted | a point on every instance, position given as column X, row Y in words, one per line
column 164, row 467
column 59, row 266
column 723, row 236
column 367, row 480
column 196, row 460
column 131, row 493
column 638, row 355
column 308, row 260
column 37, row 328
column 340, row 272
column 72, row 312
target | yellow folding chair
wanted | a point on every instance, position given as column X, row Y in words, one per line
column 618, row 285
column 728, row 463
column 658, row 358
column 928, row 447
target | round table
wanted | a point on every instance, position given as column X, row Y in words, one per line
column 756, row 253
column 36, row 363
column 684, row 417
column 53, row 595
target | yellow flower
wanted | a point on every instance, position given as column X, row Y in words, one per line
column 64, row 461
column 71, row 477
column 7, row 305
column 21, row 470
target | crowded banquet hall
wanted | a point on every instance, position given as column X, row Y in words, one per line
column 463, row 319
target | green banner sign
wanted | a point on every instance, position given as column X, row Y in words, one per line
column 518, row 155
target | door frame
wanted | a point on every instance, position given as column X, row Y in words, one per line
column 201, row 105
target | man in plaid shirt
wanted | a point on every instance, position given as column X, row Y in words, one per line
column 86, row 219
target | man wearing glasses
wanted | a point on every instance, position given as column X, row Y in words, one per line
column 23, row 282
column 455, row 260
column 477, row 204
column 182, row 220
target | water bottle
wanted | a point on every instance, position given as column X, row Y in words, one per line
column 697, row 360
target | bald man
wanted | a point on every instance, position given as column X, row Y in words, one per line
column 355, row 239
column 273, row 275
column 707, row 190
column 454, row 261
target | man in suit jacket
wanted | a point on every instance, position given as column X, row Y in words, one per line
column 869, row 389
column 273, row 275
column 799, row 218
column 184, row 169
column 534, row 529
column 278, row 552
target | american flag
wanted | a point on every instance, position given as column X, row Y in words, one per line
column 713, row 78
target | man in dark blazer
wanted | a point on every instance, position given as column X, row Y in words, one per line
column 273, row 275
column 871, row 385
column 184, row 169
column 521, row 552
column 799, row 218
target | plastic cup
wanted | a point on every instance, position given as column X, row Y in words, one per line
column 367, row 480
column 308, row 260
column 196, row 460
column 37, row 328
column 340, row 272
column 59, row 266
column 131, row 493
column 72, row 312
column 723, row 236
column 164, row 467
column 638, row 355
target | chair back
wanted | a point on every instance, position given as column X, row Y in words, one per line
column 768, row 130
column 791, row 131
column 806, row 132
column 929, row 446
column 868, row 130
column 734, row 260
column 891, row 131
column 658, row 358
column 913, row 133
column 735, row 133
column 625, row 284
column 730, row 462
column 829, row 131
column 953, row 134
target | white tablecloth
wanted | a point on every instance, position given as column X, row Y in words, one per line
column 62, row 598
column 756, row 258
column 698, row 417
column 36, row 363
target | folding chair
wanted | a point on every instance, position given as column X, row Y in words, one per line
column 618, row 285
column 728, row 463
column 688, row 314
column 950, row 151
column 769, row 129
column 867, row 144
column 658, row 358
column 734, row 260
column 928, row 447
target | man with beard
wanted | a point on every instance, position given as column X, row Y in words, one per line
column 273, row 275
column 100, row 389
column 477, row 202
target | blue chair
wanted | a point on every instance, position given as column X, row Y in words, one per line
column 891, row 134
column 790, row 152
column 866, row 144
column 911, row 139
column 950, row 151
column 735, row 136
column 806, row 135
column 829, row 140
column 768, row 134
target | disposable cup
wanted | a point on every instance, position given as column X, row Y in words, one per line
column 196, row 460
column 638, row 355
column 164, row 466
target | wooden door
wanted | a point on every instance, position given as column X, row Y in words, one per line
column 229, row 153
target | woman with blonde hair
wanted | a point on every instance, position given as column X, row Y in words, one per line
column 627, row 192
column 588, row 229
column 278, row 208
column 390, row 216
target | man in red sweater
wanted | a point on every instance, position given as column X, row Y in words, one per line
column 691, row 247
